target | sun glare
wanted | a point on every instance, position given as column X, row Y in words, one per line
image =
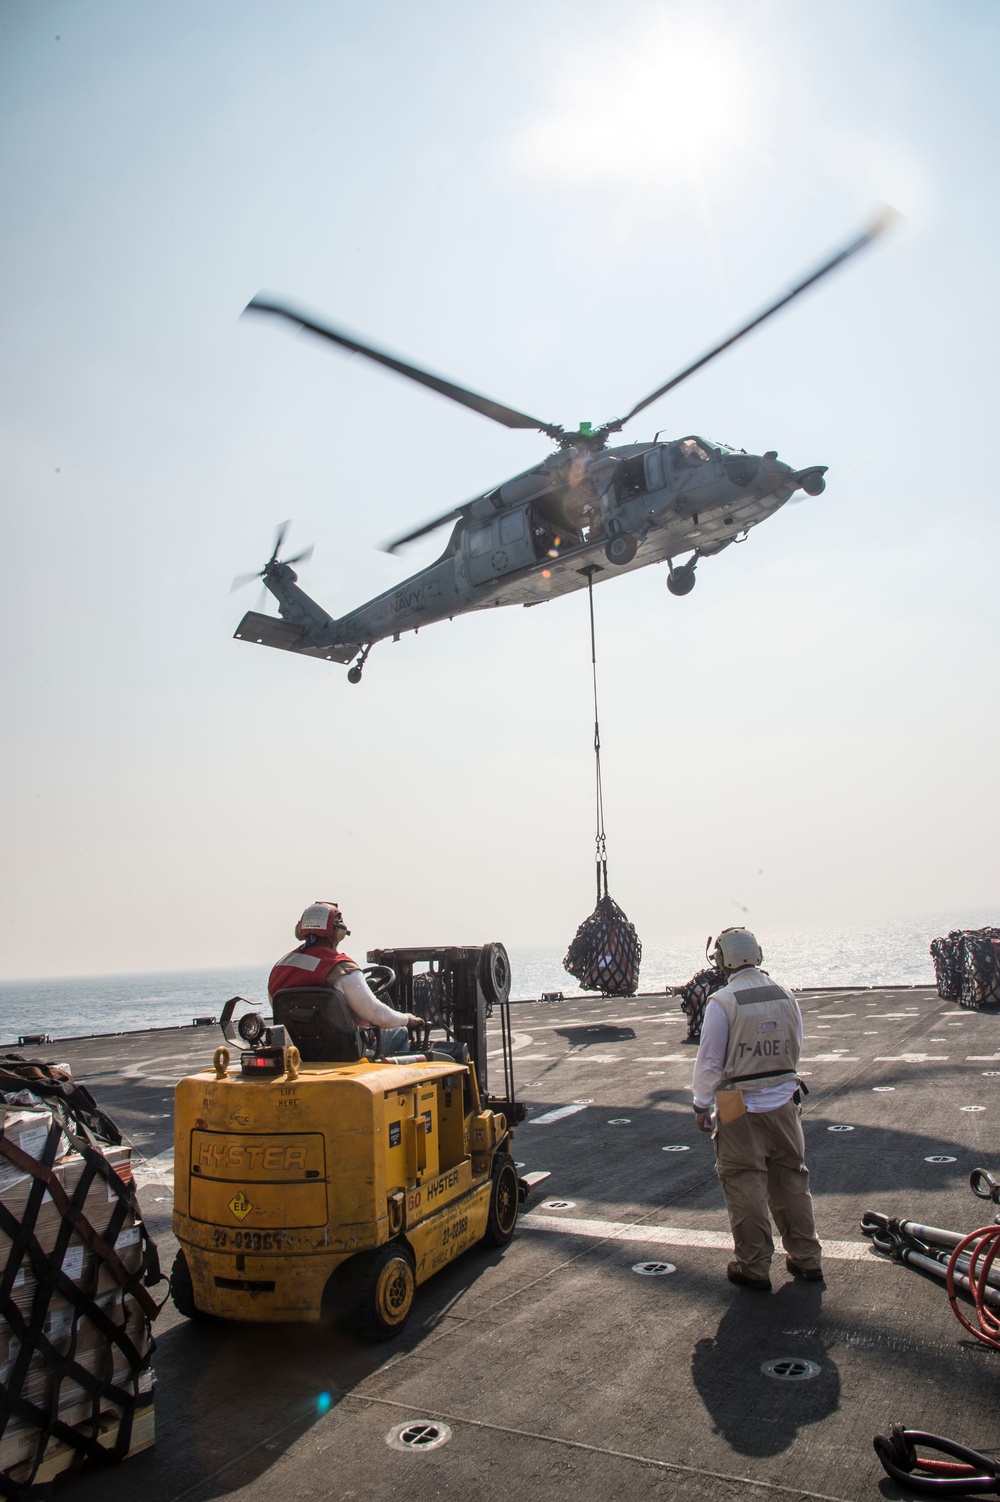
column 670, row 99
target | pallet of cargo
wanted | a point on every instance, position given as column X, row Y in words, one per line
column 75, row 1315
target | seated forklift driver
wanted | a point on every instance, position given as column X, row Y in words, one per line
column 319, row 962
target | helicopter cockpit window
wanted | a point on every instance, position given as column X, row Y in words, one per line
column 690, row 451
column 511, row 527
column 481, row 541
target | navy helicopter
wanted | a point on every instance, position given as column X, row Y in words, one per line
column 581, row 515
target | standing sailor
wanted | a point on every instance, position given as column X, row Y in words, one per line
column 748, row 1063
column 319, row 962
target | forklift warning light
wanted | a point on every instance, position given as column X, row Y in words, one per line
column 267, row 1061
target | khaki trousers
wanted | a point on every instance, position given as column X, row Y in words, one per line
column 760, row 1160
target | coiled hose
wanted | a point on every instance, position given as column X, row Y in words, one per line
column 983, row 1244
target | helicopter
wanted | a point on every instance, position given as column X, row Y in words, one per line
column 581, row 515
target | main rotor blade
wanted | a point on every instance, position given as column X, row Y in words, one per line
column 508, row 416
column 872, row 233
column 279, row 538
column 439, row 521
column 242, row 579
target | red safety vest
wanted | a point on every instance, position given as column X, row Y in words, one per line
column 309, row 965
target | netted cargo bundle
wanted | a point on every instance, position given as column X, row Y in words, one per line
column 75, row 1265
column 604, row 956
column 980, row 953
column 967, row 967
column 947, row 965
column 694, row 998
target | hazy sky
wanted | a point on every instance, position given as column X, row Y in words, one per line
column 559, row 204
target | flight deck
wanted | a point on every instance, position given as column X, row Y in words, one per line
column 604, row 1350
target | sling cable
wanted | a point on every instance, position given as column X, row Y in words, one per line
column 604, row 955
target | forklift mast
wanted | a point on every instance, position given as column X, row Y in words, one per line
column 458, row 988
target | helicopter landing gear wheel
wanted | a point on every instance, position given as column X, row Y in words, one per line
column 621, row 548
column 354, row 675
column 503, row 1202
column 681, row 581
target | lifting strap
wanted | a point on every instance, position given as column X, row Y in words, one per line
column 604, row 955
column 601, row 852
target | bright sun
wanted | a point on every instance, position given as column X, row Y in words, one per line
column 667, row 99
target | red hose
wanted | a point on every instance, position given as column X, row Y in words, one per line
column 985, row 1244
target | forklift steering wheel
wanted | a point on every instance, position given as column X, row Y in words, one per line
column 380, row 978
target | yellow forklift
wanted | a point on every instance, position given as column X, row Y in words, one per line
column 315, row 1178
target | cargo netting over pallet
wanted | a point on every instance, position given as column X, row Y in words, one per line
column 695, row 996
column 76, row 1263
column 605, row 953
column 967, row 967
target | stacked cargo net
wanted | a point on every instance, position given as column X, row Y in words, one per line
column 694, row 999
column 604, row 956
column 75, row 1260
column 967, row 967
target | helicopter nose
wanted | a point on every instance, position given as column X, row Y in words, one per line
column 742, row 469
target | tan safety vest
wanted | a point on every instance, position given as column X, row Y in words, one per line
column 763, row 1019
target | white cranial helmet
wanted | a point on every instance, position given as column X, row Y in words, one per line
column 735, row 947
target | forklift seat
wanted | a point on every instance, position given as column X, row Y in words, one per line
column 320, row 1024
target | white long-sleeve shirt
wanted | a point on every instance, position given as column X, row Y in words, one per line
column 365, row 1004
column 711, row 1058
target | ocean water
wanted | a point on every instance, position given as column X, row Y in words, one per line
column 887, row 954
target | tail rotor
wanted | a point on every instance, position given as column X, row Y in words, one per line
column 274, row 567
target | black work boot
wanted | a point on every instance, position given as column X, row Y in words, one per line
column 735, row 1274
column 807, row 1274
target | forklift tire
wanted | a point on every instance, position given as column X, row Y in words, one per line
column 503, row 1202
column 182, row 1292
column 382, row 1284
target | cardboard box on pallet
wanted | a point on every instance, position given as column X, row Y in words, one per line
column 20, row 1444
column 29, row 1129
column 29, row 1132
column 98, row 1356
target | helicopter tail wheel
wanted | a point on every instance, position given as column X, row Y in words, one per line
column 621, row 549
column 354, row 675
column 681, row 581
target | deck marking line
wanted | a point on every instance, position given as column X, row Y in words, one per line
column 666, row 1058
column 912, row 1058
column 517, row 1042
column 556, row 1115
column 592, row 1058
column 577, row 1444
column 619, row 1230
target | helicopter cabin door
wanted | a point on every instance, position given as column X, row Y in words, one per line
column 498, row 546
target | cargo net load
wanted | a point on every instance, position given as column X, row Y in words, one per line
column 967, row 967
column 604, row 956
column 694, row 998
column 75, row 1265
